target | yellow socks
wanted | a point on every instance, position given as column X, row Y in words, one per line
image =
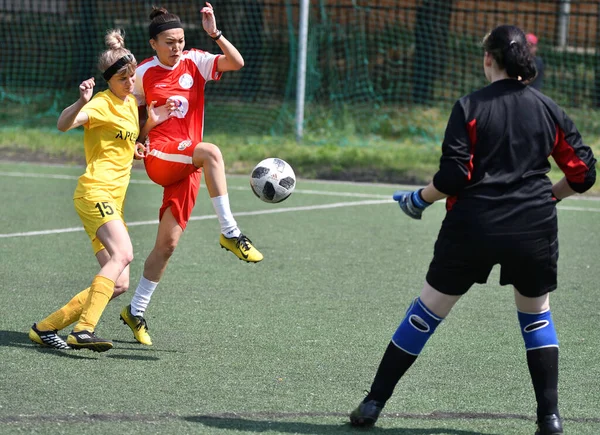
column 100, row 293
column 66, row 315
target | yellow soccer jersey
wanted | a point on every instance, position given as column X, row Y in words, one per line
column 109, row 140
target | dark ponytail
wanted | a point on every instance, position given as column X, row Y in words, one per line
column 508, row 46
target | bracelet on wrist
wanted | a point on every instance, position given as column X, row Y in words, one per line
column 218, row 35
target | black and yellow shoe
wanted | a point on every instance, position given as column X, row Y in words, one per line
column 242, row 247
column 47, row 338
column 366, row 414
column 88, row 340
column 137, row 324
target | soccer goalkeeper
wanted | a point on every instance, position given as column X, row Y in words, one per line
column 501, row 209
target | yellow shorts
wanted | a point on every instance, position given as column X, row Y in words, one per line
column 94, row 214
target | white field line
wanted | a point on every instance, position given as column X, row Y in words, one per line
column 301, row 191
column 210, row 216
column 248, row 213
column 132, row 181
column 140, row 170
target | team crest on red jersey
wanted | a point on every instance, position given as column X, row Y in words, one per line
column 186, row 81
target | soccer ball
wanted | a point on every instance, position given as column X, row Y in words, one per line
column 273, row 180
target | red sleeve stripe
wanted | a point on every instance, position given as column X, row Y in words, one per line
column 472, row 130
column 450, row 201
column 574, row 168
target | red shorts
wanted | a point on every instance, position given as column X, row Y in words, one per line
column 170, row 165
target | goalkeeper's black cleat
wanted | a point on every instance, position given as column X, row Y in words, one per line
column 366, row 414
column 550, row 425
column 88, row 340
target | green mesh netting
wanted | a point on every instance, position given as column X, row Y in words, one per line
column 369, row 61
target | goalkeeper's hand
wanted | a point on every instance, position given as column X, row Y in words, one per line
column 411, row 203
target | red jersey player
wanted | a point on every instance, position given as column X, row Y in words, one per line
column 174, row 79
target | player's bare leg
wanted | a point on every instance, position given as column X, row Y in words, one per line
column 167, row 238
column 46, row 331
column 115, row 238
column 208, row 157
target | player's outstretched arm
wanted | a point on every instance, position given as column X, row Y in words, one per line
column 231, row 60
column 72, row 116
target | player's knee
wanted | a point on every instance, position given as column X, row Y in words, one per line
column 418, row 325
column 123, row 258
column 128, row 258
column 208, row 152
column 214, row 153
column 538, row 330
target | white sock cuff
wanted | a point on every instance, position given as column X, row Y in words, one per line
column 218, row 200
column 146, row 284
column 141, row 297
column 223, row 210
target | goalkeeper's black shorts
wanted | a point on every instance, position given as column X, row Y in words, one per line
column 529, row 264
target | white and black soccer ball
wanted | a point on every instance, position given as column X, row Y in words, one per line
column 273, row 180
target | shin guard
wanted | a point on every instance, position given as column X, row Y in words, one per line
column 415, row 329
column 538, row 330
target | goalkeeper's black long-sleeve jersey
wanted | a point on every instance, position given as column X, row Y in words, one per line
column 495, row 157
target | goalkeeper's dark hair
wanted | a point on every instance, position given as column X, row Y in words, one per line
column 508, row 46
column 162, row 19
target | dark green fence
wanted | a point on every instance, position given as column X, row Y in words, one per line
column 366, row 59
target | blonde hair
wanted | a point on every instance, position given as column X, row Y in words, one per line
column 115, row 41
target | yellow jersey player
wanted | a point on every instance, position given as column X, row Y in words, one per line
column 111, row 127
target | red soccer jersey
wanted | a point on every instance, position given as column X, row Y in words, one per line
column 184, row 83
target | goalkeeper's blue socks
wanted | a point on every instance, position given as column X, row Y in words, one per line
column 418, row 325
column 541, row 343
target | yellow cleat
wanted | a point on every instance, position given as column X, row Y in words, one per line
column 242, row 247
column 137, row 324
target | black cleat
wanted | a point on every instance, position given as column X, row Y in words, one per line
column 88, row 340
column 47, row 338
column 366, row 414
column 549, row 425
